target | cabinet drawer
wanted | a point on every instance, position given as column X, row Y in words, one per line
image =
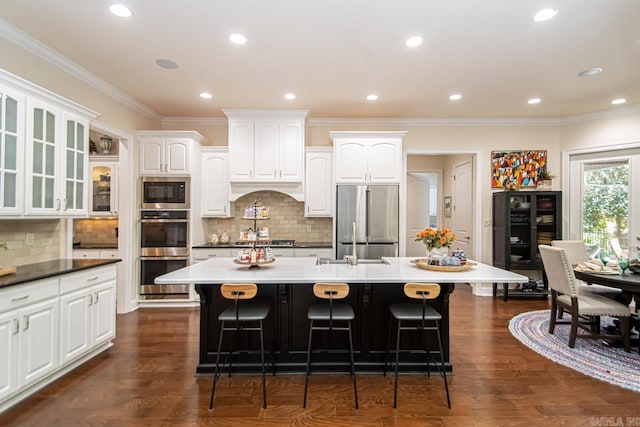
column 75, row 281
column 86, row 253
column 314, row 253
column 205, row 254
column 20, row 295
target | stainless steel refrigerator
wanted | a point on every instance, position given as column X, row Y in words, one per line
column 374, row 209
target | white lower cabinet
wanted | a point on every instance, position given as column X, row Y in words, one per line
column 95, row 253
column 28, row 335
column 47, row 324
column 87, row 312
column 199, row 255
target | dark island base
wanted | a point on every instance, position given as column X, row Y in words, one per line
column 287, row 331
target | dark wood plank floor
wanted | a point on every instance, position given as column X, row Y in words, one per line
column 147, row 378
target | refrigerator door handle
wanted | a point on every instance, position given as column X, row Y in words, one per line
column 368, row 214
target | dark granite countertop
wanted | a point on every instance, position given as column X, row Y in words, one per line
column 296, row 245
column 43, row 270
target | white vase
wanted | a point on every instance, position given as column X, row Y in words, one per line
column 435, row 255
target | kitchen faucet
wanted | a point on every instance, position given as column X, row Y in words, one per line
column 353, row 259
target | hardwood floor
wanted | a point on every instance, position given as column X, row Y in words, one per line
column 147, row 378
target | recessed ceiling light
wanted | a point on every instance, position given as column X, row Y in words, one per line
column 237, row 39
column 455, row 97
column 414, row 41
column 590, row 72
column 289, row 96
column 206, row 95
column 534, row 101
column 120, row 10
column 166, row 63
column 545, row 15
column 372, row 97
column 618, row 101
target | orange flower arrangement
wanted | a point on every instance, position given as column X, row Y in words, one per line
column 436, row 237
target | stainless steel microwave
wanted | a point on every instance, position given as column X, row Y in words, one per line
column 165, row 193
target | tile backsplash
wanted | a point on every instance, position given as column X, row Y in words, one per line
column 286, row 219
column 21, row 250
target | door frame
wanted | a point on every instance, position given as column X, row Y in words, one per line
column 477, row 198
column 440, row 216
column 570, row 233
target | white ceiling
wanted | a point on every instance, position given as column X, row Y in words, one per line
column 333, row 53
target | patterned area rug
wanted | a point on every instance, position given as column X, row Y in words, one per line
column 591, row 357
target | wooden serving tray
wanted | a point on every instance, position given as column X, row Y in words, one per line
column 253, row 264
column 422, row 263
column 4, row 271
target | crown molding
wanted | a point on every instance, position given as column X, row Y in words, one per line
column 41, row 50
column 202, row 121
column 598, row 115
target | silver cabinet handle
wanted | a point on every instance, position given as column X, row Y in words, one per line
column 16, row 324
column 250, row 172
column 26, row 323
column 19, row 298
column 93, row 279
column 58, row 204
column 90, row 299
column 97, row 295
column 212, row 255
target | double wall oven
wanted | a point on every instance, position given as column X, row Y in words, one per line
column 164, row 235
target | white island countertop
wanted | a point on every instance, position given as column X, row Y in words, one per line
column 306, row 270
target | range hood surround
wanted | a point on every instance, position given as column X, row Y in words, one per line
column 238, row 189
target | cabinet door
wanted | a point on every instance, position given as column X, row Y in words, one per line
column 215, row 185
column 104, row 184
column 74, row 163
column 385, row 161
column 177, row 155
column 104, row 312
column 38, row 341
column 8, row 360
column 351, row 161
column 41, row 154
column 12, row 112
column 291, row 151
column 241, row 151
column 265, row 151
column 151, row 157
column 75, row 318
column 318, row 185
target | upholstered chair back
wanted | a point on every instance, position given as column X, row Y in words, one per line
column 559, row 270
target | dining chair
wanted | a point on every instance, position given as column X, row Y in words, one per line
column 614, row 242
column 240, row 317
column 576, row 251
column 424, row 319
column 584, row 309
column 330, row 317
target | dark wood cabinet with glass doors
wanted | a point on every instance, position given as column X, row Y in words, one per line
column 521, row 221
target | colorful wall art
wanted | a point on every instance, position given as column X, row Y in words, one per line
column 519, row 167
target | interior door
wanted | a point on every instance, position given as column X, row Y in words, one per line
column 419, row 209
column 462, row 215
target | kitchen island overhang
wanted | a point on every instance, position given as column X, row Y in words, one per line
column 286, row 285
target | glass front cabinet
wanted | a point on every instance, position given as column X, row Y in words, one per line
column 103, row 172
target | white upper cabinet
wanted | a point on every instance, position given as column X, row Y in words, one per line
column 318, row 183
column 368, row 157
column 214, row 182
column 168, row 152
column 103, row 175
column 266, row 146
column 12, row 116
column 44, row 144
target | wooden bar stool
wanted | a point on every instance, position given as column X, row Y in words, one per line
column 241, row 316
column 322, row 318
column 418, row 317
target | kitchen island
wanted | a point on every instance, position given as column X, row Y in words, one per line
column 286, row 286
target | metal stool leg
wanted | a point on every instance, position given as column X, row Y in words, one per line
column 444, row 375
column 264, row 385
column 386, row 350
column 308, row 371
column 216, row 374
column 353, row 365
column 395, row 384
